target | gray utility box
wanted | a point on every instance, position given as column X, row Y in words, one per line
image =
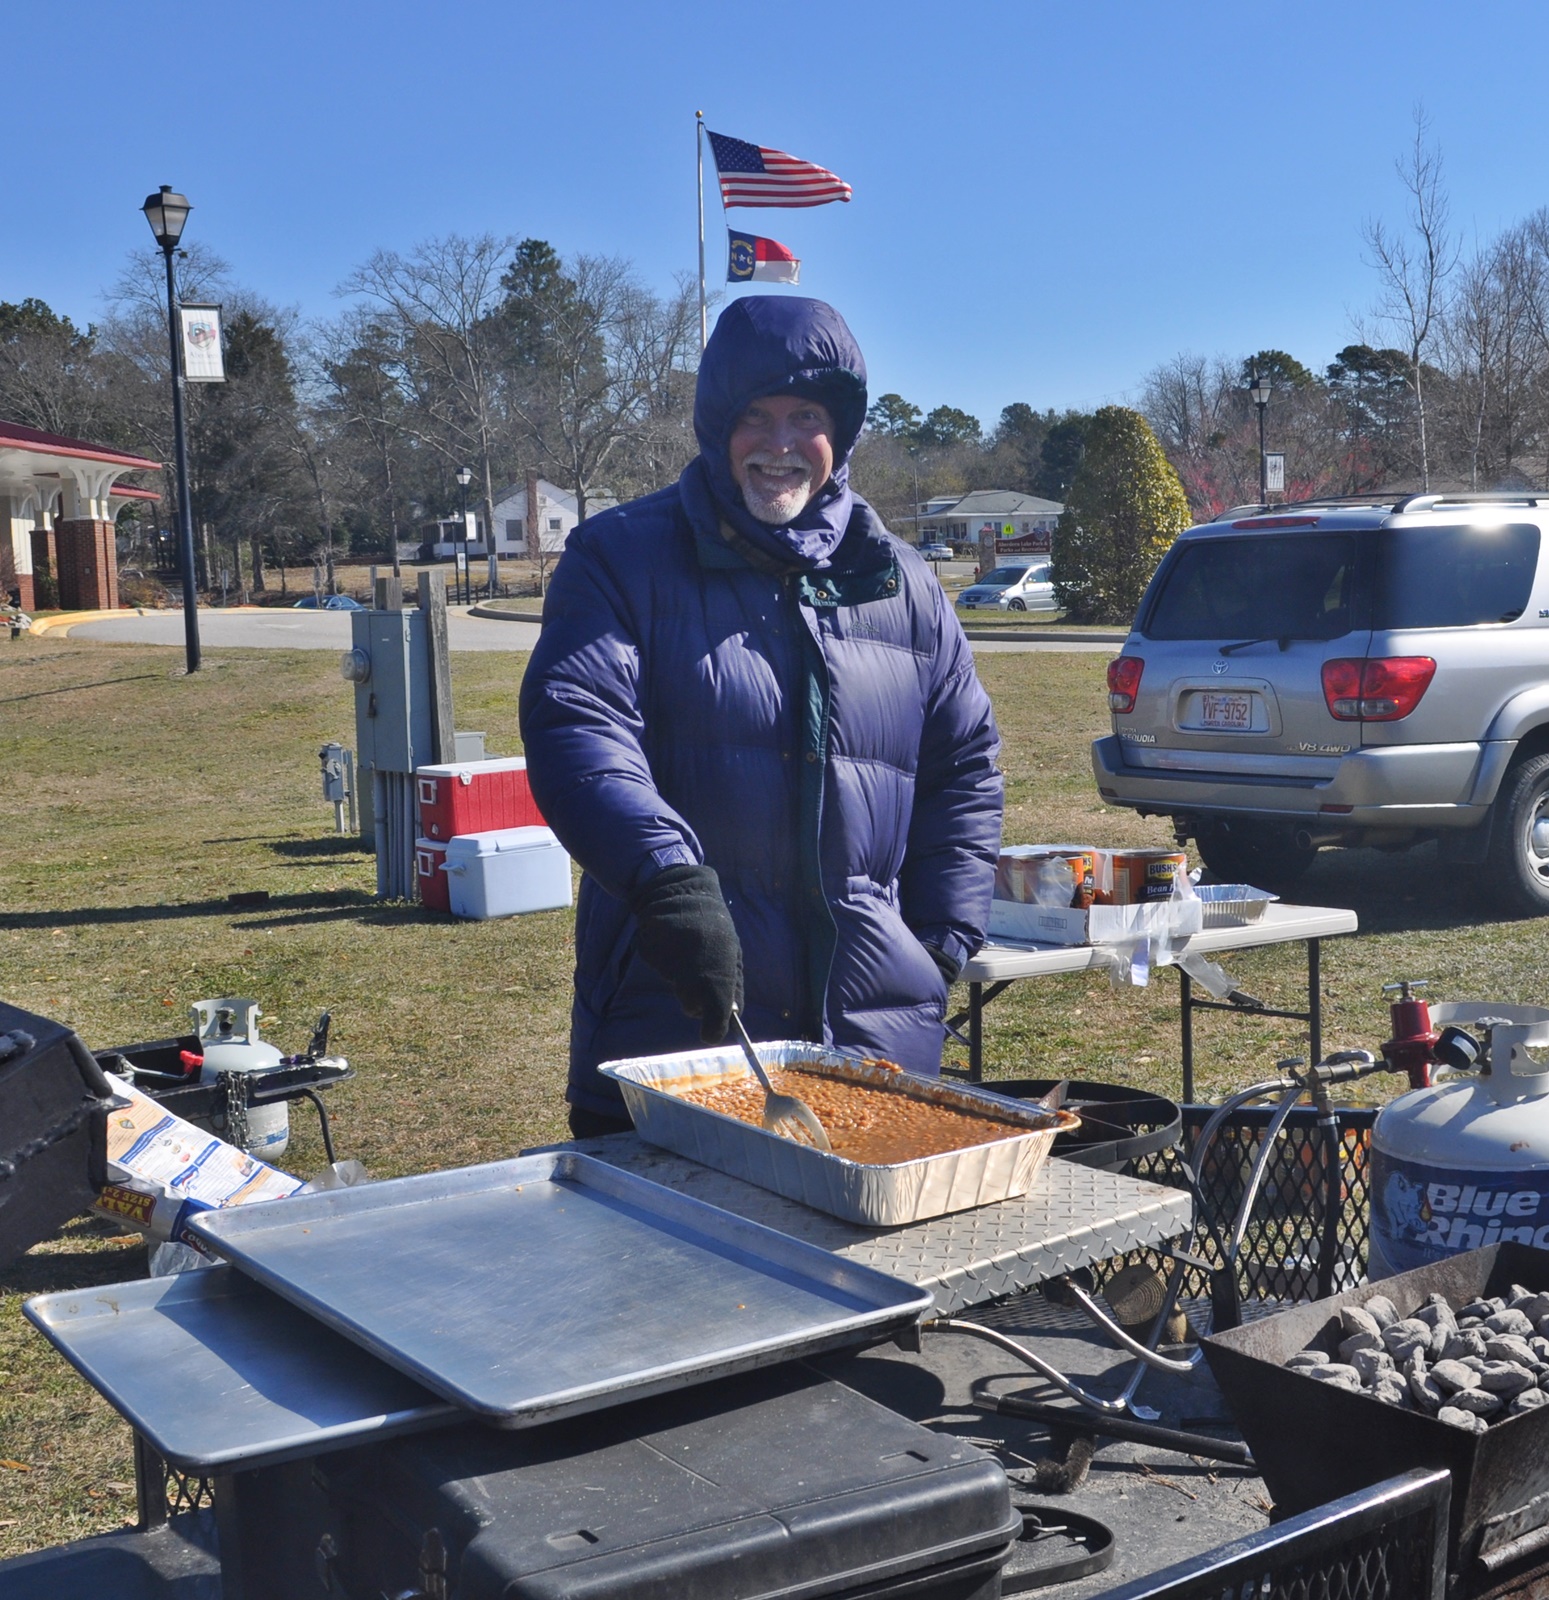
column 393, row 729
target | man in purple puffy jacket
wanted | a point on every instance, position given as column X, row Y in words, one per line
column 753, row 719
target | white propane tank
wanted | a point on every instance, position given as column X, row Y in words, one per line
column 228, row 1031
column 1465, row 1163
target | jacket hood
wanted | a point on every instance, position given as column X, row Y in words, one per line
column 780, row 344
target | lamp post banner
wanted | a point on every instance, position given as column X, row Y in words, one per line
column 202, row 358
column 1274, row 472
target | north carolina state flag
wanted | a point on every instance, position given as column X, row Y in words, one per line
column 754, row 260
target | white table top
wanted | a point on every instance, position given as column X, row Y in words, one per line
column 1280, row 924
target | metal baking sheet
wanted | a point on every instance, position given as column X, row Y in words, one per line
column 872, row 1196
column 219, row 1374
column 554, row 1284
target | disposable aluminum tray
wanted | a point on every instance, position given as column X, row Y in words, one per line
column 872, row 1196
column 219, row 1374
column 554, row 1284
column 1232, row 905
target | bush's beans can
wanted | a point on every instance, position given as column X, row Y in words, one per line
column 1143, row 875
column 1026, row 872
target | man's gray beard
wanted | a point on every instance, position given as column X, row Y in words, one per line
column 778, row 509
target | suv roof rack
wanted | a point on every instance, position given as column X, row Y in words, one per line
column 1359, row 502
column 1509, row 497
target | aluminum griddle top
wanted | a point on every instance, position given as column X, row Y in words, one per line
column 219, row 1374
column 554, row 1284
column 1072, row 1217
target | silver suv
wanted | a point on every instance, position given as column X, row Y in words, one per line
column 1340, row 673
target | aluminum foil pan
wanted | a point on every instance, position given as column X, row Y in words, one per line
column 873, row 1196
column 1232, row 905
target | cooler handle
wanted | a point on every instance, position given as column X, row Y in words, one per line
column 427, row 788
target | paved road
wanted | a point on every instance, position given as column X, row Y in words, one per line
column 330, row 630
column 293, row 630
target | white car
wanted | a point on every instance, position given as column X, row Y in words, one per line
column 936, row 552
column 1012, row 586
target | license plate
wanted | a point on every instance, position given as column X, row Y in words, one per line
column 1232, row 713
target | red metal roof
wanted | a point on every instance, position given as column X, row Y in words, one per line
column 15, row 437
column 125, row 491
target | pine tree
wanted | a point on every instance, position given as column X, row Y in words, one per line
column 1124, row 508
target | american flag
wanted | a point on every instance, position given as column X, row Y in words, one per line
column 753, row 175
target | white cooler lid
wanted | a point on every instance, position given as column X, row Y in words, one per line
column 498, row 841
column 456, row 769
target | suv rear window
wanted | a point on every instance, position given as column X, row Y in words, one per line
column 1260, row 587
column 1454, row 577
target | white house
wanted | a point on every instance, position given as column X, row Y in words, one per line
column 555, row 510
column 1017, row 522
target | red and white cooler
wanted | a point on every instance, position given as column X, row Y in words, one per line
column 430, row 874
column 506, row 872
column 475, row 797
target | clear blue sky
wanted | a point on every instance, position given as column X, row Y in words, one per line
column 1049, row 199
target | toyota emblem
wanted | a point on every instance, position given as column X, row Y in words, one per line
column 1218, row 667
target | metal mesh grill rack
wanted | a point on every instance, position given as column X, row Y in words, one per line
column 1385, row 1543
column 164, row 1491
column 1279, row 1256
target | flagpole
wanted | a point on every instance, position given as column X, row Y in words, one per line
column 699, row 155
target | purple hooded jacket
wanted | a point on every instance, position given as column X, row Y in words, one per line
column 795, row 706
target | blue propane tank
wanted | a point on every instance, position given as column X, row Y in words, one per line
column 1465, row 1163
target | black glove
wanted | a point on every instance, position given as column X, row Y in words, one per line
column 685, row 935
column 949, row 967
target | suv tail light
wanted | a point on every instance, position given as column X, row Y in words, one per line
column 1379, row 689
column 1124, row 682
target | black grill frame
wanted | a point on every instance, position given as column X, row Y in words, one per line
column 1278, row 1260
column 1384, row 1543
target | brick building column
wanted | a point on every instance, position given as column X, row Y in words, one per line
column 87, row 572
column 13, row 581
column 16, row 554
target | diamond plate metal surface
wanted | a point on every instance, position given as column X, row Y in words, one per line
column 1074, row 1217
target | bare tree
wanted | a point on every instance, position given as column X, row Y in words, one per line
column 442, row 300
column 1413, row 265
column 1490, row 352
column 598, row 369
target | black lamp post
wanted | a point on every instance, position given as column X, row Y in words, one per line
column 1259, row 391
column 464, row 478
column 167, row 212
column 914, row 461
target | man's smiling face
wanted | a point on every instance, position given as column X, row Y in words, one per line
column 781, row 453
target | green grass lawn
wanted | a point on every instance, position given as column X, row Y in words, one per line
column 139, row 800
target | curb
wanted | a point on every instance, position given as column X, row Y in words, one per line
column 492, row 615
column 68, row 619
column 1046, row 635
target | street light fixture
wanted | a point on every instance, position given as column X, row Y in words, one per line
column 167, row 212
column 464, row 478
column 1259, row 391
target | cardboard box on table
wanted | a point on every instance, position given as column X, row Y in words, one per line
column 1155, row 919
